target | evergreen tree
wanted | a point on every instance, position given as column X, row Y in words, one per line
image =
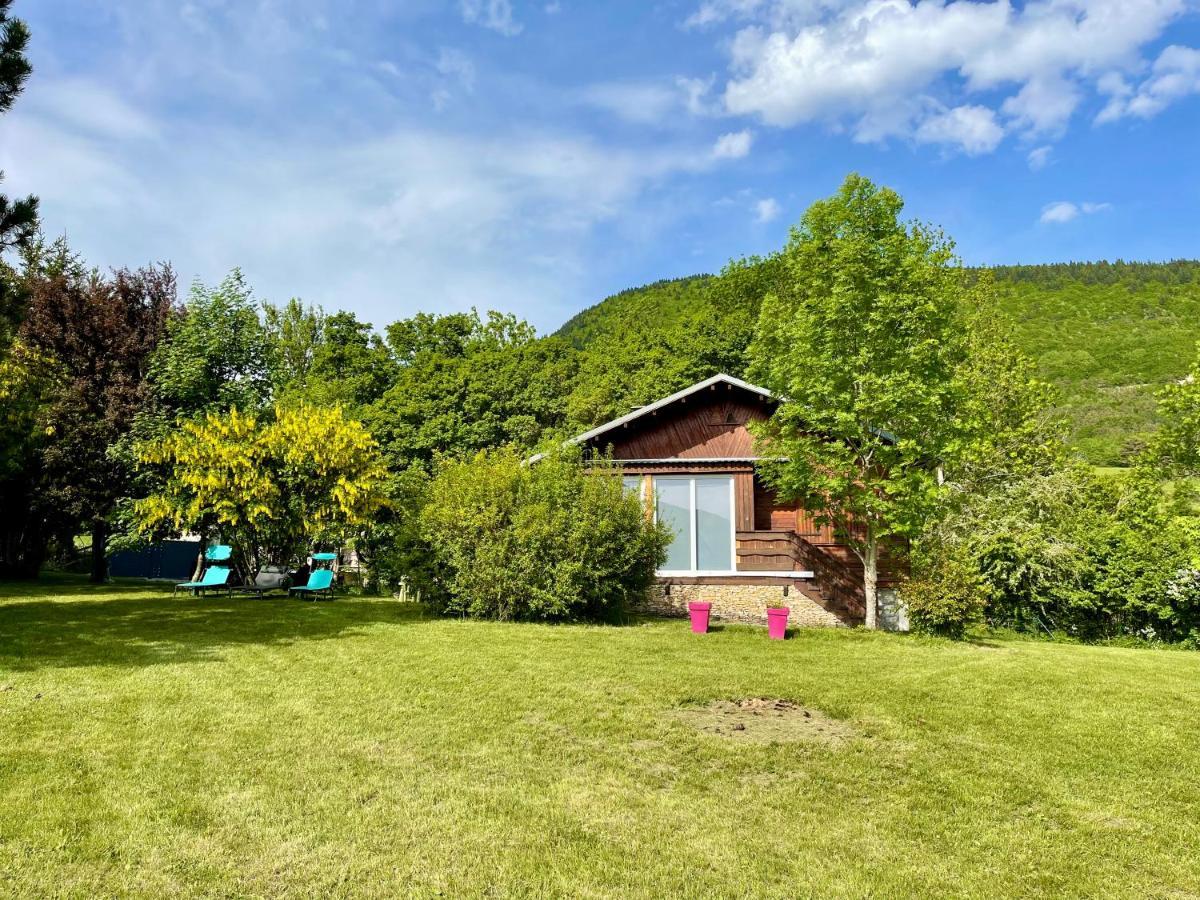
column 18, row 217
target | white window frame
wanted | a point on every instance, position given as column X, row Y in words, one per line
column 694, row 572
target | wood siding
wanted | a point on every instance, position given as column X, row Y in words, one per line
column 707, row 425
column 743, row 501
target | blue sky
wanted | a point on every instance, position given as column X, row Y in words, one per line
column 389, row 157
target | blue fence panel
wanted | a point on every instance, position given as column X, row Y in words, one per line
column 175, row 560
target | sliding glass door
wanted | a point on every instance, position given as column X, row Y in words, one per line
column 699, row 510
column 673, row 505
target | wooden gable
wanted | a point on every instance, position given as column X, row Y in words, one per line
column 710, row 424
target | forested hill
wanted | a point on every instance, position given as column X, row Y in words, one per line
column 663, row 302
column 1106, row 334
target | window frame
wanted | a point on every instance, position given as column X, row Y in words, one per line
column 694, row 549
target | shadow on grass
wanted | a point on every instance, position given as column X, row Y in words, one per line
column 66, row 623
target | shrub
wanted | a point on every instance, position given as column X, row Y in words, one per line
column 550, row 541
column 945, row 593
column 1071, row 552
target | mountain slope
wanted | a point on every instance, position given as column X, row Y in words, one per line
column 1107, row 335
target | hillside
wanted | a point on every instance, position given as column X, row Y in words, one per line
column 659, row 303
column 1108, row 335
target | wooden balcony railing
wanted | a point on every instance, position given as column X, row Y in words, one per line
column 785, row 551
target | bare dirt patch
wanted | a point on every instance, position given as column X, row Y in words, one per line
column 765, row 720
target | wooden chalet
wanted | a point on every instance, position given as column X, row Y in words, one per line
column 691, row 457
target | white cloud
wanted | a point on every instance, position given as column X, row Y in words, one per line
column 86, row 109
column 973, row 128
column 696, row 93
column 456, row 64
column 734, row 145
column 1039, row 157
column 553, row 8
column 767, row 210
column 712, row 12
column 649, row 102
column 635, row 101
column 458, row 73
column 412, row 217
column 889, row 68
column 494, row 14
column 1063, row 211
column 776, row 13
column 1175, row 74
column 1043, row 105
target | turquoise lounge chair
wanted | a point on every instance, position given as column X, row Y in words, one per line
column 218, row 553
column 319, row 582
column 215, row 578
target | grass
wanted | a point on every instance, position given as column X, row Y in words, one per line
column 152, row 746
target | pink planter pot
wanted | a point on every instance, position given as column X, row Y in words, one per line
column 777, row 622
column 699, row 613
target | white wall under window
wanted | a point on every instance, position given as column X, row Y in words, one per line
column 699, row 509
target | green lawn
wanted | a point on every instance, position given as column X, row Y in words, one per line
column 151, row 745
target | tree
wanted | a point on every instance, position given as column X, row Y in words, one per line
column 464, row 384
column 863, row 342
column 1072, row 551
column 216, row 354
column 327, row 360
column 294, row 332
column 273, row 486
column 1006, row 423
column 1177, row 444
column 18, row 218
column 27, row 382
column 99, row 334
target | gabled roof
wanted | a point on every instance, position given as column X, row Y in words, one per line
column 720, row 378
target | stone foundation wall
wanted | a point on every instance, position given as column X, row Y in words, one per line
column 893, row 614
column 740, row 603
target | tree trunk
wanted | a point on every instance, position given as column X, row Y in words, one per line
column 99, row 551
column 870, row 560
column 198, row 570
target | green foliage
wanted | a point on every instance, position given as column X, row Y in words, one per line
column 391, row 548
column 548, row 541
column 465, row 384
column 1072, row 552
column 864, row 341
column 216, row 354
column 663, row 301
column 326, row 360
column 294, row 331
column 27, row 382
column 273, row 488
column 1177, row 444
column 628, row 362
column 1105, row 336
column 946, row 593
